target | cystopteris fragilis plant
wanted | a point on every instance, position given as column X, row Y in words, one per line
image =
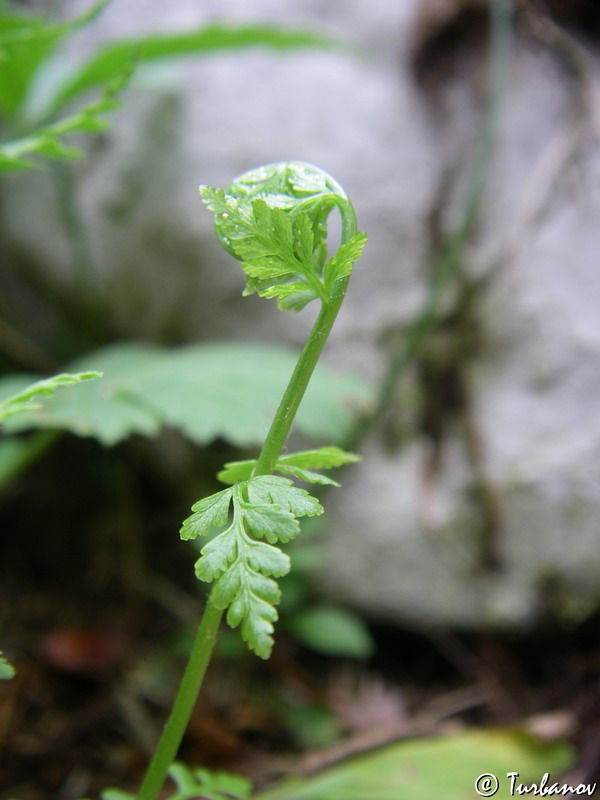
column 274, row 221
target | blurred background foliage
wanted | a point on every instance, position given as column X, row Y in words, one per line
column 98, row 596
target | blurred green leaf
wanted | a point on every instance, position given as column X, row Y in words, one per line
column 294, row 464
column 112, row 60
column 108, row 414
column 332, row 630
column 47, row 140
column 313, row 726
column 424, row 769
column 232, row 390
column 7, row 671
column 26, row 42
column 196, row 783
column 224, row 390
column 31, row 89
column 22, row 400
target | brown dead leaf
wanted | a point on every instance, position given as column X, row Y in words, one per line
column 79, row 650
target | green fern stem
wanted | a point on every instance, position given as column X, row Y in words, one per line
column 173, row 732
column 292, row 397
column 205, row 639
column 193, row 677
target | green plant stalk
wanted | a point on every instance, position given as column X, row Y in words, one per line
column 204, row 643
column 183, row 706
column 294, row 393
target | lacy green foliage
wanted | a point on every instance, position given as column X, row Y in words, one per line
column 205, row 391
column 7, row 671
column 48, row 141
column 243, row 559
column 273, row 220
column 299, row 465
column 192, row 784
column 422, row 769
column 21, row 401
column 31, row 98
column 26, row 44
column 110, row 61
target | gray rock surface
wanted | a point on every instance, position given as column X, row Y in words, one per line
column 504, row 527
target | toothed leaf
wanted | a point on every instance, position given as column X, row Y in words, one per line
column 257, row 629
column 23, row 400
column 267, row 559
column 271, row 489
column 210, row 513
column 217, row 555
column 254, row 609
column 340, row 266
column 290, row 296
column 307, row 475
column 296, row 301
column 274, row 220
column 236, row 471
column 271, row 523
column 229, row 586
column 242, row 566
column 262, row 238
column 303, row 238
column 322, row 458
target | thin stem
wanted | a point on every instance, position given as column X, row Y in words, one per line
column 181, row 712
column 294, row 393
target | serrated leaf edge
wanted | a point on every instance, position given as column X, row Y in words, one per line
column 276, row 249
column 244, row 582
